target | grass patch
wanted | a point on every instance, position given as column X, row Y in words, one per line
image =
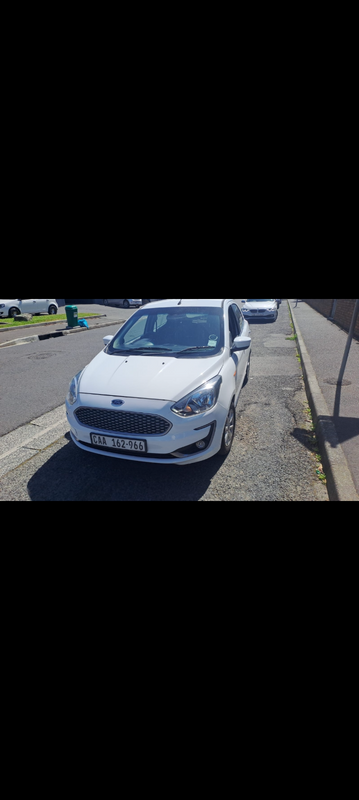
column 14, row 323
column 291, row 338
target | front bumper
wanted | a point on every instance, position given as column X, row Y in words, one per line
column 178, row 446
column 251, row 315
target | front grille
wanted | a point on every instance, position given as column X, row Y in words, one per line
column 123, row 421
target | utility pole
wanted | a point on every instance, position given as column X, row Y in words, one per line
column 349, row 341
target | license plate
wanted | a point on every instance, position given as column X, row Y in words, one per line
column 117, row 443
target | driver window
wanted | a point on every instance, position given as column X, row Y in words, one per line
column 233, row 326
column 239, row 317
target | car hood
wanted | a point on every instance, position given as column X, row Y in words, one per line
column 152, row 377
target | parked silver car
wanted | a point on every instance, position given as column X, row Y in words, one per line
column 124, row 303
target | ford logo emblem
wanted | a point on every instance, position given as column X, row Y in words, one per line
column 117, row 402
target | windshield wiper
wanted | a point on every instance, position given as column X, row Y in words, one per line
column 193, row 349
column 144, row 350
column 150, row 349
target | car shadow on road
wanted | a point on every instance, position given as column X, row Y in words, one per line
column 73, row 474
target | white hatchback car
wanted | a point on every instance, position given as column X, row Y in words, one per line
column 8, row 308
column 260, row 309
column 166, row 386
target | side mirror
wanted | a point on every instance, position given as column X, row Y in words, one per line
column 107, row 340
column 241, row 343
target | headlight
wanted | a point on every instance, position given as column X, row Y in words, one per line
column 73, row 389
column 202, row 399
column 2, row 305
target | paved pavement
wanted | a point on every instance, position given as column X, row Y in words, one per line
column 335, row 409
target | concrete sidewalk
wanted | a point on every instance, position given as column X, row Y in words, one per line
column 335, row 409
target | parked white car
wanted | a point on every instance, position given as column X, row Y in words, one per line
column 166, row 386
column 260, row 309
column 8, row 308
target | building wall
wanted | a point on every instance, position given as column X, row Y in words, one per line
column 343, row 312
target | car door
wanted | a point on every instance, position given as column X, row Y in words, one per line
column 241, row 356
column 27, row 306
column 40, row 306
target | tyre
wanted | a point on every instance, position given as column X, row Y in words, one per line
column 126, row 304
column 14, row 311
column 52, row 310
column 228, row 432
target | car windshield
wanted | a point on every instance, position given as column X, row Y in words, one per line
column 191, row 332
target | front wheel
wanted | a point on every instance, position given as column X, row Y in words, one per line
column 228, row 432
column 13, row 311
column 52, row 310
column 126, row 304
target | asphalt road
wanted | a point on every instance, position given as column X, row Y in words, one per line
column 270, row 457
column 35, row 376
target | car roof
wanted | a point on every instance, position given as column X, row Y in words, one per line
column 185, row 303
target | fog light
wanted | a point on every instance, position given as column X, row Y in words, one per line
column 201, row 444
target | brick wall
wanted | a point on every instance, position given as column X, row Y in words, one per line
column 343, row 312
column 323, row 306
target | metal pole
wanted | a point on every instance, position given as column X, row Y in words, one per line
column 333, row 310
column 350, row 336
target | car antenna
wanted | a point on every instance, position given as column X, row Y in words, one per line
column 179, row 303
